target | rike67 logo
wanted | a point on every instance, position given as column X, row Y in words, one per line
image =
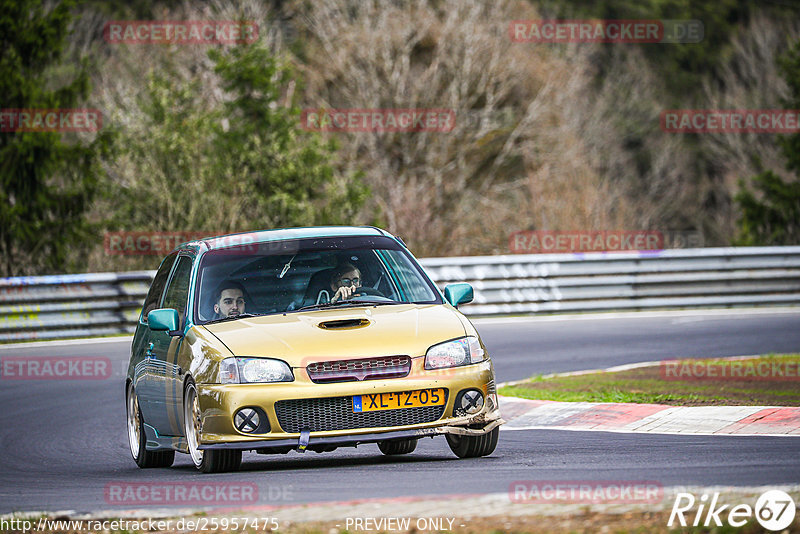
column 774, row 511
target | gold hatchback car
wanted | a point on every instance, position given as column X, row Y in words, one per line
column 303, row 339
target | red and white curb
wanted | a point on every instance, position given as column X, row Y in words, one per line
column 522, row 414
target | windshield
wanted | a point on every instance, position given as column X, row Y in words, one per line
column 286, row 276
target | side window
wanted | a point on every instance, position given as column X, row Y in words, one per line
column 178, row 290
column 412, row 286
column 157, row 287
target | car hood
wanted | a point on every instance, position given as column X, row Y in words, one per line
column 300, row 338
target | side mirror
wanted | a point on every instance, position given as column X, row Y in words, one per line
column 460, row 293
column 163, row 319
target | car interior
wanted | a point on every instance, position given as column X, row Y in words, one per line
column 288, row 282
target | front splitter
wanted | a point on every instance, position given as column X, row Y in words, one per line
column 329, row 441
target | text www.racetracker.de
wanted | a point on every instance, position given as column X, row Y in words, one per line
column 44, row 524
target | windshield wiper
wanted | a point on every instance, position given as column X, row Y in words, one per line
column 322, row 305
column 328, row 305
column 233, row 317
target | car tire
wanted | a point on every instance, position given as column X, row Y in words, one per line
column 400, row 446
column 208, row 460
column 220, row 461
column 137, row 438
column 473, row 446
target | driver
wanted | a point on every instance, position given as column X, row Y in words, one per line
column 230, row 299
column 345, row 282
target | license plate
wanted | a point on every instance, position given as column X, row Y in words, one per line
column 392, row 401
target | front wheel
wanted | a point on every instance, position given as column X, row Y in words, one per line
column 473, row 446
column 137, row 439
column 401, row 446
column 210, row 460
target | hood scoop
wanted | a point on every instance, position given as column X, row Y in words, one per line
column 343, row 324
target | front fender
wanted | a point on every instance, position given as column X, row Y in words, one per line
column 200, row 355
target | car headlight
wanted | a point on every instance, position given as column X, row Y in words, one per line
column 253, row 370
column 228, row 371
column 463, row 351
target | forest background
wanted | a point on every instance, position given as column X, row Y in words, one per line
column 200, row 138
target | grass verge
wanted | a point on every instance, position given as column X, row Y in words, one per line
column 769, row 380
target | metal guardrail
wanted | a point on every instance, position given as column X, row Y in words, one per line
column 47, row 307
column 678, row 278
column 71, row 305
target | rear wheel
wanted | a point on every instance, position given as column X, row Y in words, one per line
column 209, row 460
column 473, row 446
column 401, row 446
column 137, row 439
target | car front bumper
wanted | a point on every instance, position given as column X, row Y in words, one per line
column 219, row 403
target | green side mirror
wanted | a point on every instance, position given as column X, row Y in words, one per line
column 460, row 293
column 163, row 319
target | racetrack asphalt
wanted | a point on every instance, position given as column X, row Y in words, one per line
column 62, row 442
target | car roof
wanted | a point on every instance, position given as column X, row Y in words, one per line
column 280, row 234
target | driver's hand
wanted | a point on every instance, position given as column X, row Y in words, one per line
column 344, row 293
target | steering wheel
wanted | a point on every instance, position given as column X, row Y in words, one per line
column 371, row 292
column 364, row 290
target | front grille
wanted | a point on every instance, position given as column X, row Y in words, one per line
column 336, row 413
column 361, row 369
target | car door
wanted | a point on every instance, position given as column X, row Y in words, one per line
column 142, row 350
column 164, row 373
